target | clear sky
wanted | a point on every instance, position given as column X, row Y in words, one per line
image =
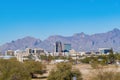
column 43, row 18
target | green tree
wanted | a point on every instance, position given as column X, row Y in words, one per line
column 111, row 57
column 117, row 56
column 49, row 58
column 86, row 60
column 34, row 67
column 13, row 70
column 64, row 72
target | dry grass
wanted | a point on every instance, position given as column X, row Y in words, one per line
column 110, row 72
column 101, row 74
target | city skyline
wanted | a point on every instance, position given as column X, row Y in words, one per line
column 42, row 19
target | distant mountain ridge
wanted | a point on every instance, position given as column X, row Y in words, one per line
column 79, row 41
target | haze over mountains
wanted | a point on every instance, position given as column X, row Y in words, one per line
column 79, row 41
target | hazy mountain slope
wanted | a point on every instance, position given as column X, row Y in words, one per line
column 79, row 41
column 21, row 44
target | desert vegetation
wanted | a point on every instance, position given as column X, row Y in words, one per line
column 14, row 70
column 64, row 71
column 101, row 67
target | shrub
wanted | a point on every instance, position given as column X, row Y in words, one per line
column 13, row 70
column 64, row 72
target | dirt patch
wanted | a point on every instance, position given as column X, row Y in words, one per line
column 86, row 70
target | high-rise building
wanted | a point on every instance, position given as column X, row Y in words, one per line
column 58, row 46
column 67, row 47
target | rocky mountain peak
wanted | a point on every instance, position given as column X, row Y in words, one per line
column 82, row 35
column 86, row 42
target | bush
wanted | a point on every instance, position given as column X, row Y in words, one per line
column 13, row 70
column 34, row 67
column 64, row 72
column 86, row 60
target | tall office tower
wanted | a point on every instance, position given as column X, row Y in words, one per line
column 67, row 47
column 58, row 46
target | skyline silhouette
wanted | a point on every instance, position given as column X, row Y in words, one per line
column 43, row 18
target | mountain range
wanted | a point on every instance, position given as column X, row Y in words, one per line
column 79, row 42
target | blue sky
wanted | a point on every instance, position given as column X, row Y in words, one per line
column 42, row 18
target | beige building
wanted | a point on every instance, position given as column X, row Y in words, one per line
column 75, row 55
column 9, row 53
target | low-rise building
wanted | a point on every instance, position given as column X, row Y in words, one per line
column 105, row 51
column 9, row 53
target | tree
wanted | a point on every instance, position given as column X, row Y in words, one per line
column 64, row 72
column 13, row 70
column 111, row 57
column 34, row 67
column 50, row 58
column 117, row 56
column 86, row 60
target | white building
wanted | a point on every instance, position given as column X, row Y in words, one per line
column 105, row 51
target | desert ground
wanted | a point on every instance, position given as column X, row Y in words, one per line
column 86, row 70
